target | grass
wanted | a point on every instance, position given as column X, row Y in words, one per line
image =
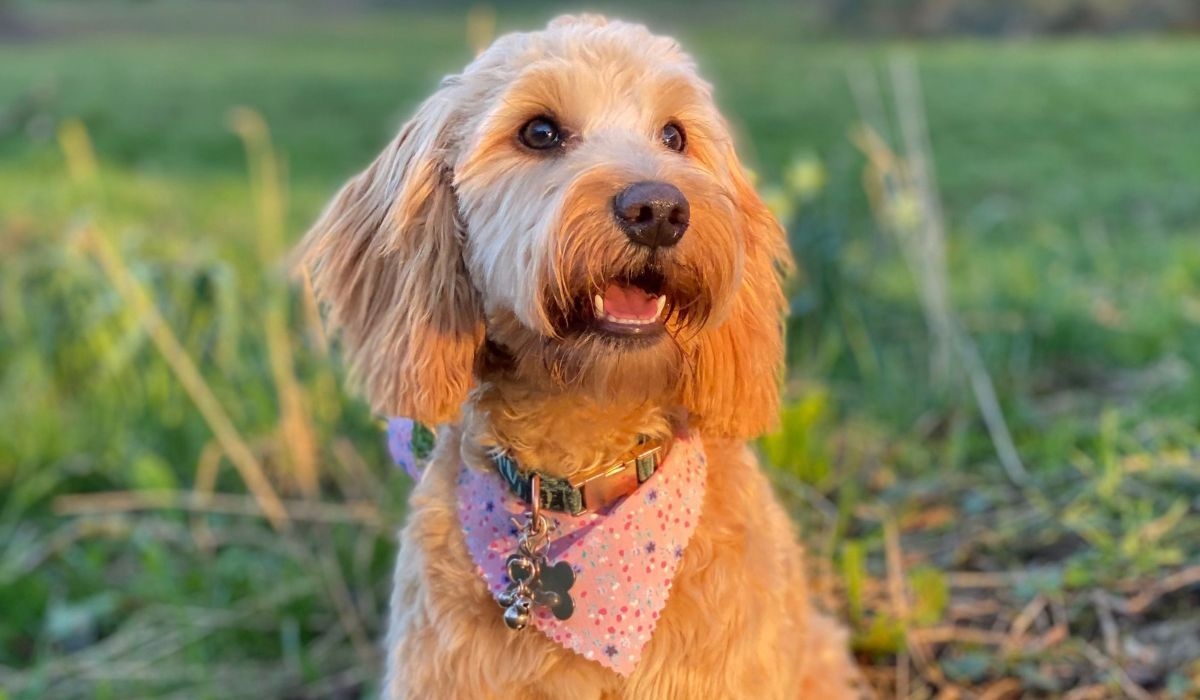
column 134, row 561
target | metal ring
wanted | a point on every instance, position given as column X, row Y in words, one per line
column 535, row 498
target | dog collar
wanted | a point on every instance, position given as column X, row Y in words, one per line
column 621, row 561
column 590, row 490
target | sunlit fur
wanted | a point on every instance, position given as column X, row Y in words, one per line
column 457, row 266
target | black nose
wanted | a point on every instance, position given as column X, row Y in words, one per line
column 652, row 214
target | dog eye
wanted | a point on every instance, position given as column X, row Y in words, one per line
column 540, row 133
column 672, row 137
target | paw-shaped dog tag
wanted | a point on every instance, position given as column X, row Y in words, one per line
column 554, row 587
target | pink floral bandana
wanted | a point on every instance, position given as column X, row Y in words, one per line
column 399, row 441
column 624, row 558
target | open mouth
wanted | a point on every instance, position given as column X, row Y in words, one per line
column 632, row 306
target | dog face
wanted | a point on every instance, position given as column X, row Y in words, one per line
column 573, row 197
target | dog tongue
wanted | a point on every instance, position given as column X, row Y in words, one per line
column 630, row 302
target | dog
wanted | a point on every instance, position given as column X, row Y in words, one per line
column 561, row 262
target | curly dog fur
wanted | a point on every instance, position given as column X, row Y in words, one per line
column 460, row 268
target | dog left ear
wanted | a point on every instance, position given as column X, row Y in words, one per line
column 733, row 390
column 386, row 259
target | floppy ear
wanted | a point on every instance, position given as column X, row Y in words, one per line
column 733, row 390
column 386, row 259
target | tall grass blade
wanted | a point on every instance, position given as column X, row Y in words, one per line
column 81, row 162
column 296, row 432
column 904, row 195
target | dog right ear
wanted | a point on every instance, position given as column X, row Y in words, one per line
column 386, row 260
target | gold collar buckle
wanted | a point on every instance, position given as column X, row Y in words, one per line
column 607, row 483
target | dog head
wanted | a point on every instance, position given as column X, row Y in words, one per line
column 572, row 203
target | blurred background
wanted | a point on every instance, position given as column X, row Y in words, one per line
column 991, row 437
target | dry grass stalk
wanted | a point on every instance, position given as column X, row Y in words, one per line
column 80, row 156
column 296, row 431
column 1141, row 602
column 205, row 484
column 904, row 196
column 81, row 162
column 1098, row 658
column 173, row 352
column 1003, row 689
column 985, row 579
column 359, row 513
column 897, row 596
column 924, row 243
column 1098, row 691
column 339, row 594
column 312, row 314
column 481, row 27
column 947, row 634
column 357, row 479
column 1024, row 620
column 146, row 648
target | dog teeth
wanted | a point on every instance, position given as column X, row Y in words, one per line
column 659, row 302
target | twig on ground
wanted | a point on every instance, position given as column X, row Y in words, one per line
column 947, row 634
column 1002, row 690
column 1024, row 619
column 985, row 579
column 1114, row 669
column 901, row 671
column 1098, row 691
column 1141, row 602
column 974, row 609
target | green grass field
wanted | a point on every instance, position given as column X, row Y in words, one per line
column 1069, row 174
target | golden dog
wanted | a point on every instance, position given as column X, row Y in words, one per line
column 559, row 258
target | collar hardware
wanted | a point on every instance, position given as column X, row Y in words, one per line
column 591, row 489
